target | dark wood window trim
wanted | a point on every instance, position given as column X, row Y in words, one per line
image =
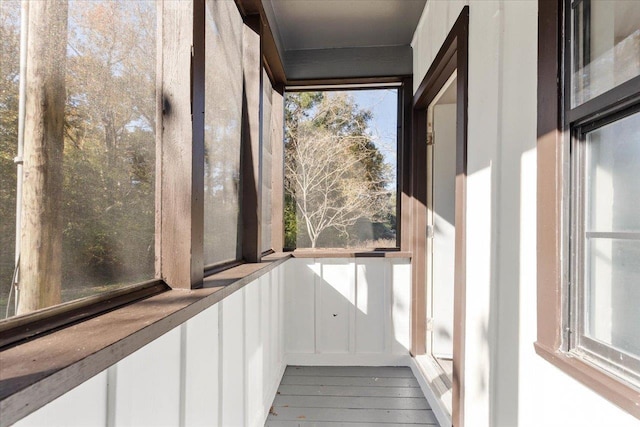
column 453, row 55
column 552, row 178
column 348, row 253
column 179, row 180
column 277, row 153
column 114, row 325
column 65, row 358
column 180, row 152
column 179, row 213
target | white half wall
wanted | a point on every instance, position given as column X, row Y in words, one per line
column 506, row 383
column 220, row 368
column 223, row 366
column 350, row 311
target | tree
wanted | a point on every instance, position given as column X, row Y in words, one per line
column 40, row 261
column 9, row 81
column 334, row 173
column 90, row 189
column 110, row 144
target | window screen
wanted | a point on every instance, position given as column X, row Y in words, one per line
column 97, row 209
column 223, row 126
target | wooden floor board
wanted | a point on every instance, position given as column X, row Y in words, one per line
column 319, row 390
column 280, row 423
column 354, row 415
column 351, row 371
column 349, row 396
column 350, row 381
column 351, row 402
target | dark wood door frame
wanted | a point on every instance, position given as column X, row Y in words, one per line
column 453, row 55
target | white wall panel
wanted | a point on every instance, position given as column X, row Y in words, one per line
column 233, row 401
column 274, row 338
column 370, row 298
column 371, row 287
column 401, row 306
column 506, row 382
column 84, row 406
column 300, row 305
column 223, row 366
column 201, row 373
column 254, row 350
column 335, row 300
column 436, row 20
column 147, row 384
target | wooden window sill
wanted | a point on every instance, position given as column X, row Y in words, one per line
column 613, row 389
column 36, row 372
column 349, row 253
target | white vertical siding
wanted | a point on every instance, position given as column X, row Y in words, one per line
column 201, row 394
column 300, row 305
column 85, row 405
column 506, row 383
column 223, row 366
column 233, row 363
column 371, row 307
column 361, row 306
column 220, row 368
column 334, row 304
column 401, row 306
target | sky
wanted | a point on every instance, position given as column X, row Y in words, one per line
column 383, row 103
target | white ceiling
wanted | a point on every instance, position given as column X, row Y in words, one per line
column 327, row 24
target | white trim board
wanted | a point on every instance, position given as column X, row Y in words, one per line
column 438, row 407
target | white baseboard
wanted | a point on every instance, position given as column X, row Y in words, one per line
column 316, row 359
column 438, row 407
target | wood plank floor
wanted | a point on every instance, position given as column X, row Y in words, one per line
column 349, row 396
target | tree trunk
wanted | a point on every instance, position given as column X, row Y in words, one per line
column 41, row 248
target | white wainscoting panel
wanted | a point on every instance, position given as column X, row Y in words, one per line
column 401, row 306
column 85, row 405
column 372, row 284
column 201, row 371
column 335, row 299
column 147, row 385
column 254, row 351
column 361, row 310
column 233, row 355
column 300, row 305
column 220, row 368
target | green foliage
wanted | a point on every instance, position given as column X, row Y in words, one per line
column 290, row 222
column 9, row 70
column 109, row 148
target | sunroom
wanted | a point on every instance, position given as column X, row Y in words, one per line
column 319, row 212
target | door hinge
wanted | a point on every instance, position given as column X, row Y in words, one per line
column 430, row 231
column 429, row 324
column 430, row 139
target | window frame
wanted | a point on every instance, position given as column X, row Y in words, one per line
column 555, row 121
column 275, row 127
column 223, row 264
column 179, row 183
column 403, row 87
column 609, row 358
column 152, row 308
